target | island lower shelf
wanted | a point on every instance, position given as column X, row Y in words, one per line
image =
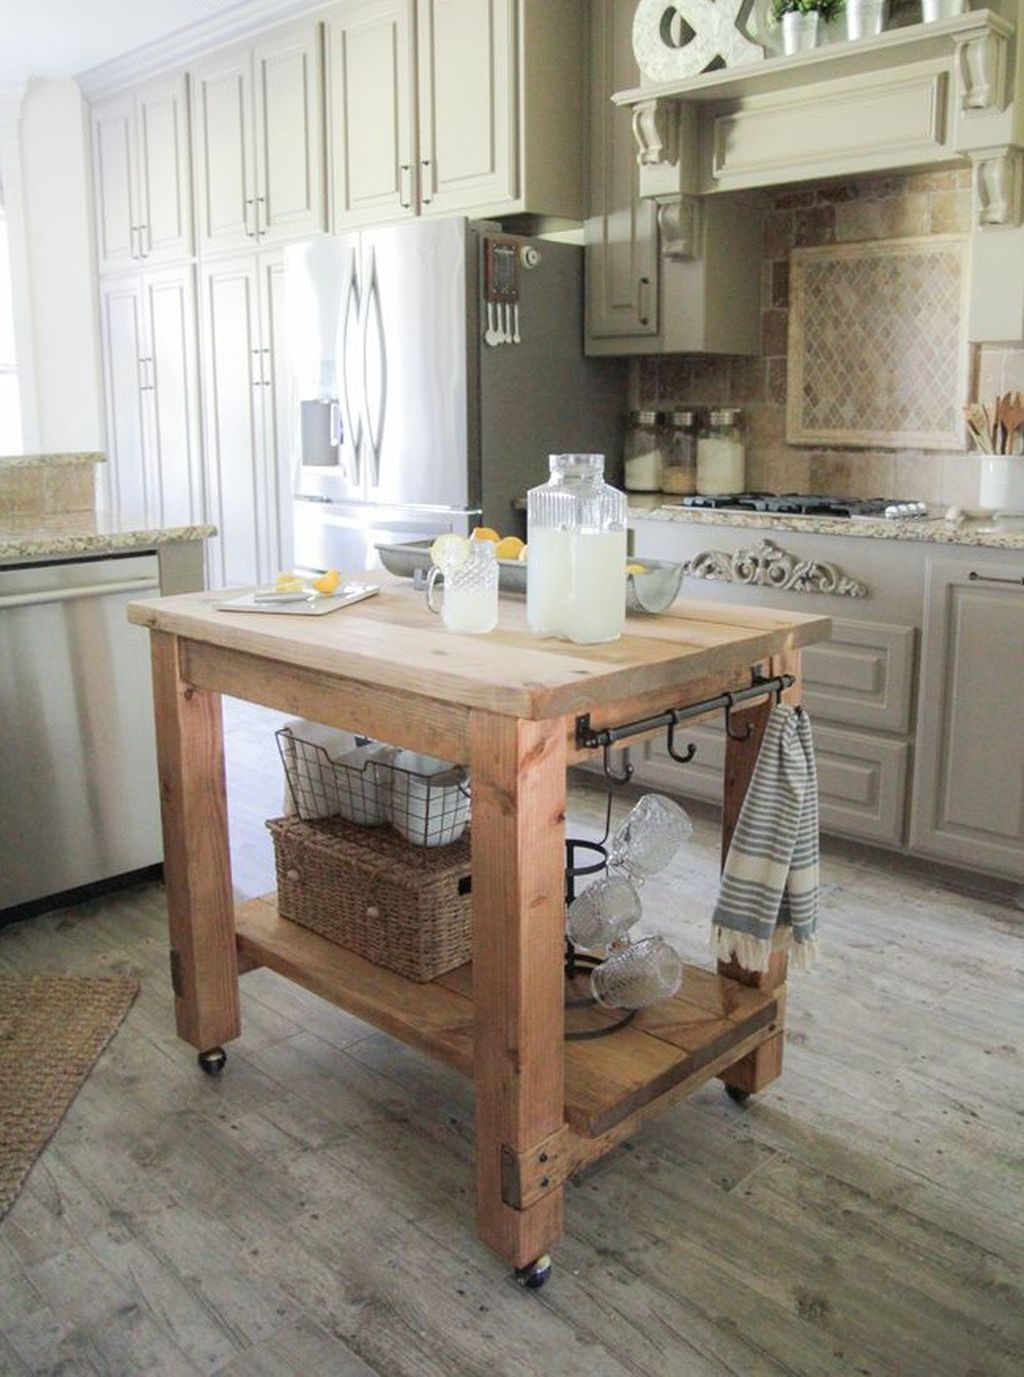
column 611, row 1083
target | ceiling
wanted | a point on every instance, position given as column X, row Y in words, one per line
column 56, row 38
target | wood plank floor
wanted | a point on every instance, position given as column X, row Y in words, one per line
column 310, row 1212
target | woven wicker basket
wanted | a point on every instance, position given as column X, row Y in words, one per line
column 401, row 906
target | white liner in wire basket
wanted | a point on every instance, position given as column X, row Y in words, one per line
column 426, row 800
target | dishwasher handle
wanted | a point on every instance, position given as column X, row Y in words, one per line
column 90, row 590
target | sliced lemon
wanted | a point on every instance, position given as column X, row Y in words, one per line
column 509, row 548
column 636, row 568
column 485, row 533
column 289, row 583
column 327, row 583
column 522, row 554
column 449, row 550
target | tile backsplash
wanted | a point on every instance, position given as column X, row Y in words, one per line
column 888, row 207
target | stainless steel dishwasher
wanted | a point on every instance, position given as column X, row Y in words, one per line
column 79, row 803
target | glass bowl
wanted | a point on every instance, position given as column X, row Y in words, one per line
column 656, row 589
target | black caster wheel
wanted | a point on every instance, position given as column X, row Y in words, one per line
column 535, row 1274
column 735, row 1093
column 212, row 1062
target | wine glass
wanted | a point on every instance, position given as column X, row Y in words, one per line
column 649, row 836
column 604, row 913
column 645, row 973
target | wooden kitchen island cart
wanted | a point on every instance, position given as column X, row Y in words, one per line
column 506, row 705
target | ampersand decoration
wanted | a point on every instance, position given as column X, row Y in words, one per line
column 685, row 37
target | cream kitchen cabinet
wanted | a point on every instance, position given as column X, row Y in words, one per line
column 152, row 397
column 142, row 176
column 453, row 106
column 968, row 803
column 258, row 141
column 663, row 277
column 621, row 229
column 244, row 417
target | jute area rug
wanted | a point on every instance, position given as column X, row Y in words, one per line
column 52, row 1029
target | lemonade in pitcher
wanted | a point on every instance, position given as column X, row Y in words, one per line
column 576, row 579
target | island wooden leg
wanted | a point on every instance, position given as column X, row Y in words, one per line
column 518, row 775
column 197, row 866
column 760, row 1067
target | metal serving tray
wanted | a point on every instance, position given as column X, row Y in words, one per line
column 411, row 560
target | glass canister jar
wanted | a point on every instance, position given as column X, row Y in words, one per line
column 642, row 451
column 576, row 553
column 721, row 452
column 679, row 470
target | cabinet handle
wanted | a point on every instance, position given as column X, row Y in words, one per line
column 257, row 367
column 641, row 300
column 426, row 192
column 252, row 234
column 975, row 577
column 140, row 229
column 144, row 385
column 267, row 381
column 405, row 195
column 261, row 201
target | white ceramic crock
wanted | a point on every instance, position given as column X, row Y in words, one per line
column 1002, row 483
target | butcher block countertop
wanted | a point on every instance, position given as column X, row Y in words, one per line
column 393, row 642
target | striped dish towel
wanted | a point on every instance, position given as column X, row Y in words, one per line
column 771, row 871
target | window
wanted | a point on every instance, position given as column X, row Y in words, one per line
column 10, row 398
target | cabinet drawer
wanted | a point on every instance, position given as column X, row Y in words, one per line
column 862, row 677
column 862, row 784
column 862, row 781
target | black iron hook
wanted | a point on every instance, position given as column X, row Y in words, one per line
column 684, row 757
column 610, row 774
column 743, row 735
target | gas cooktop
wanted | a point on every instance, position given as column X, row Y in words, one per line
column 809, row 504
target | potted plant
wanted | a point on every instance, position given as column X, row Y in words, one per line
column 801, row 22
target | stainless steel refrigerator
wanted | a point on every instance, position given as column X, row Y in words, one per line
column 434, row 367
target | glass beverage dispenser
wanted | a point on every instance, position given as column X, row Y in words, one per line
column 576, row 564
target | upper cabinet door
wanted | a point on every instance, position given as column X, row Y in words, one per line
column 114, row 179
column 467, row 105
column 289, row 134
column 370, row 78
column 224, row 151
column 621, row 229
column 165, row 192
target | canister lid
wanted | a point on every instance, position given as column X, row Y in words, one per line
column 725, row 416
column 645, row 418
column 685, row 420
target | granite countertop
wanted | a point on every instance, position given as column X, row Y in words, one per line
column 51, row 461
column 84, row 533
column 1007, row 534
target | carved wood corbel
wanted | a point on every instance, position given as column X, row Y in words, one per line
column 998, row 179
column 981, row 72
column 679, row 225
column 656, row 130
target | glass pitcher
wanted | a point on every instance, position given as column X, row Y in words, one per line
column 576, row 561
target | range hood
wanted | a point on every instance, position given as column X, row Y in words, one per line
column 923, row 96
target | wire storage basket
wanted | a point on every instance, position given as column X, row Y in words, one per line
column 400, row 906
column 425, row 800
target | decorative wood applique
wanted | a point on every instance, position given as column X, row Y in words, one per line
column 767, row 565
column 877, row 344
column 997, row 186
column 683, row 38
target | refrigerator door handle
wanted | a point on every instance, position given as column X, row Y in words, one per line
column 374, row 424
column 352, row 422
